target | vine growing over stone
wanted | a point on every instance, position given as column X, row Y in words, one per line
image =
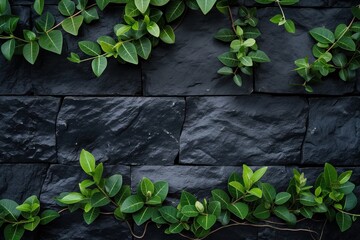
column 247, row 202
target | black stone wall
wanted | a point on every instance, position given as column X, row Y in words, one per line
column 173, row 118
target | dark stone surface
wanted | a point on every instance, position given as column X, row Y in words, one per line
column 333, row 134
column 343, row 3
column 27, row 129
column 19, row 181
column 276, row 76
column 256, row 130
column 302, row 3
column 78, row 79
column 190, row 66
column 121, row 130
column 15, row 75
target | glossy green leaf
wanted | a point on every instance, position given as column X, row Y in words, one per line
column 127, row 51
column 347, row 43
column 90, row 15
column 206, row 221
column 174, row 10
column 8, row 49
column 237, row 79
column 206, row 5
column 187, row 198
column 282, row 197
column 90, row 217
column 31, row 226
column 330, row 174
column 31, row 51
column 72, row 25
column 222, row 197
column 91, row 49
column 46, row 21
column 322, row 35
column 239, row 209
column 143, row 215
column 8, row 208
column 99, row 200
column 113, row 184
column 161, row 189
column 48, row 216
column 71, row 198
column 283, row 213
column 87, row 160
column 189, row 211
column 344, row 221
column 39, row 6
column 226, row 71
column 66, row 7
column 344, row 177
column 146, row 187
column 225, row 35
column 229, row 59
column 290, row 26
column 143, row 47
column 169, row 214
column 153, row 29
column 52, row 41
column 167, row 35
column 142, row 5
column 14, row 232
column 102, row 4
column 132, row 204
column 258, row 174
column 261, row 212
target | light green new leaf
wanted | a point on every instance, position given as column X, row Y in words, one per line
column 31, row 51
column 90, row 216
column 8, row 49
column 142, row 5
column 72, row 25
column 52, row 41
column 66, row 7
column 113, row 184
column 256, row 192
column 39, row 6
column 71, row 198
column 174, row 10
column 87, row 162
column 146, row 186
column 153, row 29
column 290, row 26
column 127, row 51
column 345, row 176
column 206, row 5
column 258, row 174
column 99, row 65
column 32, row 225
column 167, row 35
column 143, row 47
column 14, row 232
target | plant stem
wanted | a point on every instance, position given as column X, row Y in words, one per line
column 231, row 19
column 97, row 185
column 89, row 59
column 281, row 9
column 347, row 213
column 137, row 236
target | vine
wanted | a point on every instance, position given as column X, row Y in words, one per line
column 247, row 202
column 145, row 23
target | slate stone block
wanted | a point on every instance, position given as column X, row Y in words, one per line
column 55, row 75
column 20, row 181
column 190, row 66
column 284, row 48
column 256, row 130
column 343, row 3
column 301, row 3
column 15, row 75
column 129, row 130
column 333, row 134
column 27, row 129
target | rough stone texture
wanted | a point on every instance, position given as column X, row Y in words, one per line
column 15, row 75
column 27, row 129
column 78, row 79
column 343, row 3
column 251, row 129
column 276, row 76
column 19, row 181
column 333, row 134
column 121, row 130
column 190, row 66
column 302, row 3
column 62, row 178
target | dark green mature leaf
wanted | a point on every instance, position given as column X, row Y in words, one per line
column 169, row 213
column 346, row 188
column 206, row 221
column 90, row 15
column 344, row 221
column 99, row 200
column 113, row 184
column 102, row 4
column 225, row 35
column 52, row 41
column 159, row 3
column 124, row 193
column 48, row 216
column 356, row 12
column 350, row 202
column 214, row 208
column 39, row 6
column 8, row 49
column 161, row 189
column 91, row 49
column 8, row 207
column 66, row 7
column 261, row 212
column 127, row 51
column 269, row 192
column 222, row 197
column 174, row 10
column 288, row 2
column 306, row 212
column 143, row 47
column 132, row 204
column 72, row 25
column 143, row 215
column 239, row 209
column 347, row 43
column 189, row 211
column 167, row 35
column 206, row 5
column 330, row 174
column 227, row 71
column 46, row 21
column 90, row 216
column 176, row 228
column 282, row 197
column 187, row 198
column 229, row 59
column 31, row 51
column 283, row 213
column 99, row 65
column 322, row 35
column 14, row 232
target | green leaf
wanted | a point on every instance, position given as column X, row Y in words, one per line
column 256, row 192
column 87, row 160
column 290, row 26
column 347, row 43
column 344, row 221
column 246, row 61
column 258, row 174
column 169, row 214
column 322, row 35
column 161, row 189
column 91, row 49
column 261, row 212
column 72, row 25
column 31, row 51
column 284, row 214
column 75, row 58
column 159, row 3
column 174, row 10
column 146, row 187
column 46, row 21
column 90, row 216
column 187, row 198
column 221, row 196
column 239, row 209
column 282, row 197
column 39, row 6
column 52, row 41
column 214, row 208
column 237, row 79
column 264, row 1
column 97, row 175
column 206, row 5
column 206, row 221
column 356, row 12
column 288, row 2
column 269, row 192
column 32, row 225
column 155, row 200
column 8, row 208
column 99, row 200
column 306, row 212
column 142, row 5
column 14, row 232
column 225, row 71
column 25, row 207
column 176, row 228
column 189, row 211
column 90, row 15
column 66, row 7
column 350, row 202
column 225, row 35
column 71, row 198
column 143, row 215
column 224, row 217
column 229, row 59
column 48, row 216
column 99, row 65
column 249, row 42
column 102, row 4
column 340, row 30
column 127, row 51
column 143, row 47
column 113, row 184
column 167, row 35
column 153, row 29
column 132, row 204
column 307, row 199
column 345, row 176
column 8, row 49
column 107, row 44
column 330, row 174
column 124, row 193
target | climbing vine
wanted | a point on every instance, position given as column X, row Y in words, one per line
column 247, row 201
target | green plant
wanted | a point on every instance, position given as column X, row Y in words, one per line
column 247, row 202
column 336, row 51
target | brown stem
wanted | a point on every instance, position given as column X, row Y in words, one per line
column 137, row 236
column 102, row 190
column 231, row 19
column 63, row 210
